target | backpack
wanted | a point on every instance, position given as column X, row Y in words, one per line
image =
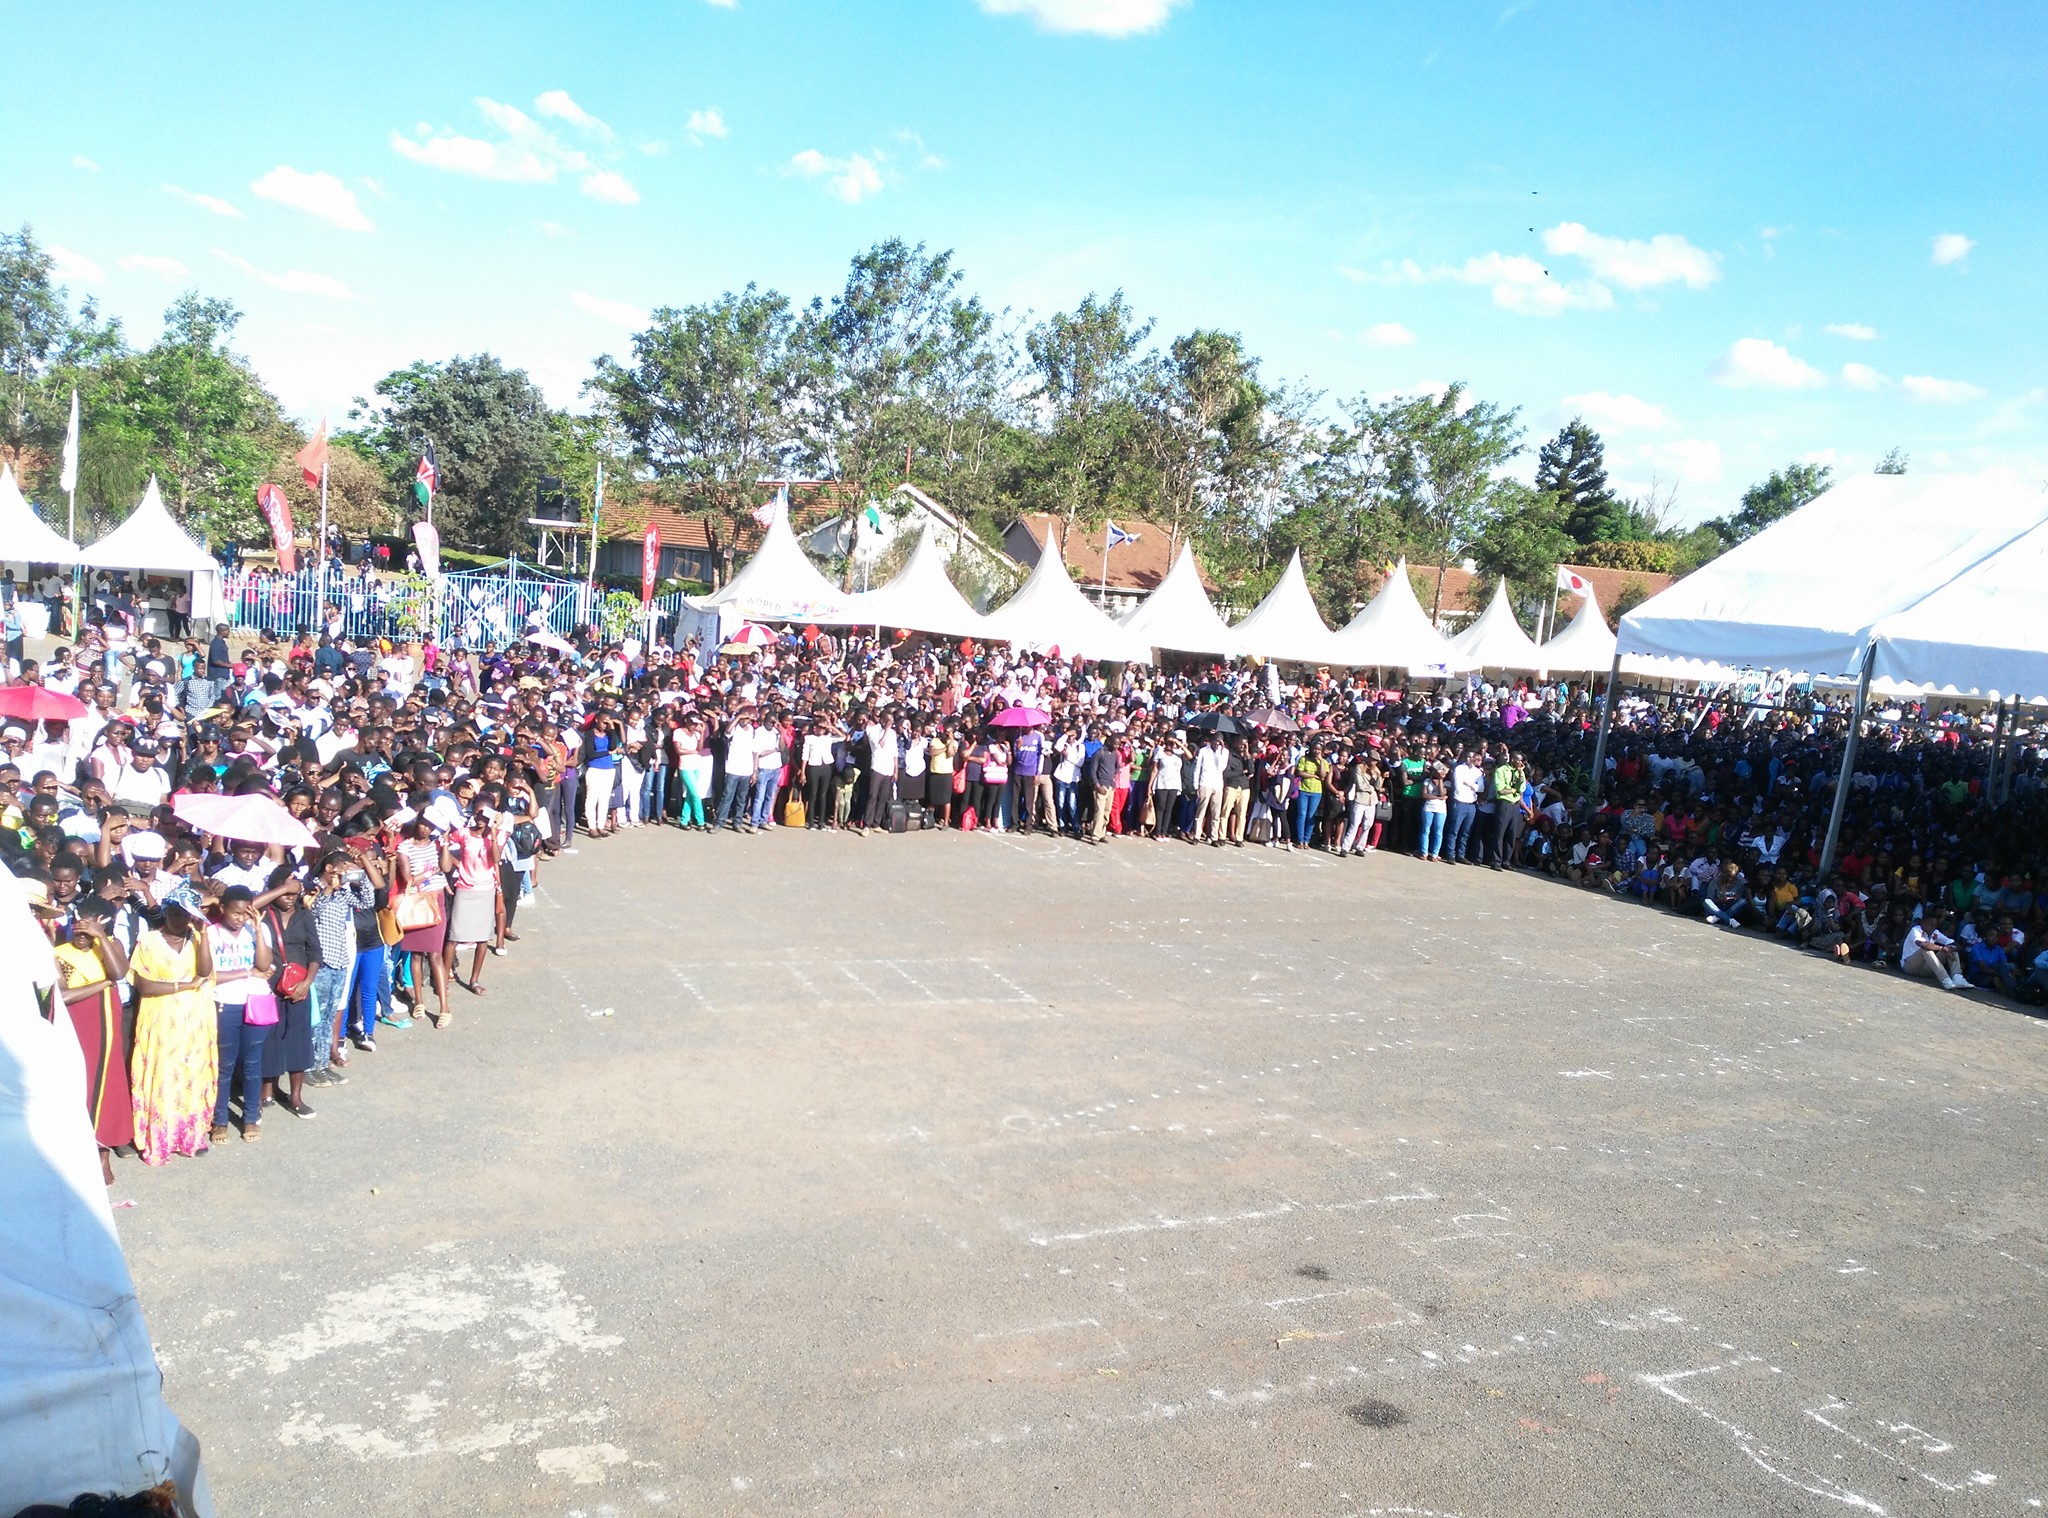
column 526, row 839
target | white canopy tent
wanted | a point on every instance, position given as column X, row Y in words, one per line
column 1585, row 646
column 1392, row 631
column 1986, row 630
column 1495, row 640
column 1286, row 625
column 778, row 584
column 1178, row 616
column 1805, row 592
column 26, row 538
column 921, row 597
column 151, row 541
column 1049, row 611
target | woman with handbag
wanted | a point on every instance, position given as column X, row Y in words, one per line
column 246, row 1010
column 288, row 1050
column 940, row 753
column 419, row 908
column 91, row 965
column 340, row 890
column 473, row 907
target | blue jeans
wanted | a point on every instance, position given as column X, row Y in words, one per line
column 732, row 800
column 330, row 997
column 766, row 784
column 654, row 794
column 239, row 1048
column 1458, row 841
column 1306, row 805
column 1066, row 795
column 1432, row 834
column 369, row 991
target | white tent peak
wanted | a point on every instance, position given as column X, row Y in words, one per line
column 1495, row 639
column 1050, row 611
column 1392, row 631
column 921, row 596
column 1286, row 625
column 779, row 583
column 1586, row 643
column 1179, row 616
column 24, row 536
column 1984, row 631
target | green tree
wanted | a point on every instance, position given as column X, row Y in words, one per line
column 1783, row 493
column 1894, row 462
column 1572, row 467
column 493, row 434
column 1085, row 362
column 1202, row 406
column 34, row 314
column 716, row 393
column 1522, row 538
column 1447, row 453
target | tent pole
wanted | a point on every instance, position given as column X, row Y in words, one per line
column 1827, row 849
column 1606, row 719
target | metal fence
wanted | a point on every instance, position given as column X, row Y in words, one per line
column 473, row 608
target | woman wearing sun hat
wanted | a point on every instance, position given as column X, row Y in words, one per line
column 172, row 1071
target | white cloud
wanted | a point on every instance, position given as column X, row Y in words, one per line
column 211, row 203
column 554, row 229
column 618, row 312
column 850, row 179
column 1757, row 363
column 1856, row 332
column 926, row 158
column 724, row 5
column 67, row 265
column 1952, row 248
column 292, row 281
column 557, row 104
column 1616, row 413
column 530, row 154
column 1863, row 377
column 1633, row 263
column 1940, row 392
column 1389, row 335
column 1104, row 18
column 705, row 123
column 80, row 161
column 1518, row 283
column 144, row 263
column 609, row 185
column 317, row 194
column 1696, row 461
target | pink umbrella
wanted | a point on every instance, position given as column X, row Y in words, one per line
column 1020, row 716
column 250, row 819
column 31, row 703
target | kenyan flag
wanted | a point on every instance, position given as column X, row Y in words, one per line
column 426, row 479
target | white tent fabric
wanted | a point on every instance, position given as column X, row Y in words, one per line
column 1986, row 630
column 921, row 597
column 778, row 584
column 26, row 538
column 1049, row 611
column 1585, row 645
column 1178, row 616
column 1286, row 625
column 1806, row 591
column 151, row 541
column 1495, row 640
column 1391, row 631
column 81, row 1398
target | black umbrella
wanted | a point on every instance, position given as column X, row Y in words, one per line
column 1215, row 722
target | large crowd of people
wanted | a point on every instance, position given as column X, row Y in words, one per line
column 213, row 979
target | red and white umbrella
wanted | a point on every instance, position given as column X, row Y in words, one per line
column 250, row 819
column 751, row 638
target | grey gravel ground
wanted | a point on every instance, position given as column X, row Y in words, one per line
column 949, row 1174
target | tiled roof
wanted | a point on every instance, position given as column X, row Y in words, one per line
column 1607, row 585
column 1138, row 566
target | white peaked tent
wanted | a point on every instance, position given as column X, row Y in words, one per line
column 26, row 538
column 1178, row 616
column 1495, row 640
column 151, row 541
column 1585, row 646
column 778, row 584
column 1986, row 630
column 1391, row 631
column 1049, row 611
column 1805, row 592
column 1286, row 625
column 921, row 597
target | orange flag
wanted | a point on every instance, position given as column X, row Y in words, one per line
column 312, row 458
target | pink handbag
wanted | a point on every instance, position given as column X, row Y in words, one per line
column 260, row 1010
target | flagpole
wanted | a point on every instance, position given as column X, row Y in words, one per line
column 590, row 570
column 320, row 558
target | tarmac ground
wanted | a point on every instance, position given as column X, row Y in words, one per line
column 977, row 1174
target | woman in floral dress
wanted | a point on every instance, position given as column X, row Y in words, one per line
column 172, row 1072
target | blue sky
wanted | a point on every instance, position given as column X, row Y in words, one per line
column 1730, row 236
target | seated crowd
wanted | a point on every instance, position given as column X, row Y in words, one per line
column 210, row 978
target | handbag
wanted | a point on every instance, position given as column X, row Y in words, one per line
column 794, row 813
column 388, row 930
column 260, row 1010
column 291, row 980
column 1384, row 812
column 959, row 782
column 1260, row 830
column 412, row 910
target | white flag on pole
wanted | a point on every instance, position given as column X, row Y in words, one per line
column 69, row 478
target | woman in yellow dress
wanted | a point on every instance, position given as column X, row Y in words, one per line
column 173, row 1071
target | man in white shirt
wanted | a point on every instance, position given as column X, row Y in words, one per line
column 767, row 773
column 142, row 782
column 882, row 752
column 1468, row 786
column 1209, row 761
column 740, row 741
column 1929, row 951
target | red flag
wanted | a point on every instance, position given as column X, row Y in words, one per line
column 650, row 562
column 278, row 512
column 312, row 458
